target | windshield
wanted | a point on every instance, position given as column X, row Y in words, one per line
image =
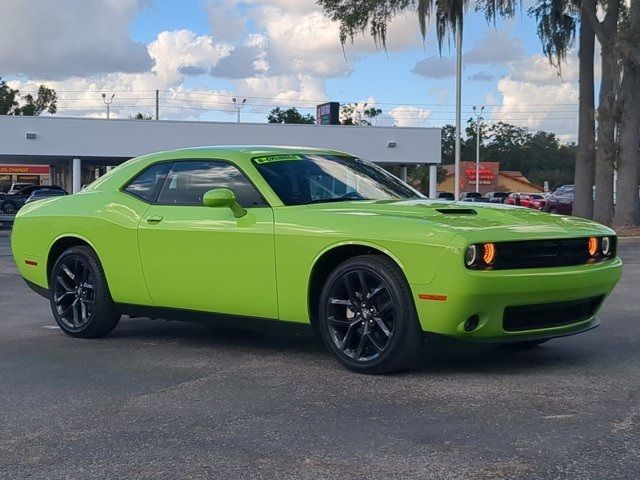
column 304, row 179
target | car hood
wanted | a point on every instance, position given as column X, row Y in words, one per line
column 473, row 220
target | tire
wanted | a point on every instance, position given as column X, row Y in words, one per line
column 79, row 295
column 553, row 211
column 378, row 335
column 9, row 207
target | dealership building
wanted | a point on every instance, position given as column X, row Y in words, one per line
column 72, row 152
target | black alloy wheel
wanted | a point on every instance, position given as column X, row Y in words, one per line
column 367, row 316
column 79, row 296
column 74, row 293
column 361, row 315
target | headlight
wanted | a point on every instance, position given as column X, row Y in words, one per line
column 480, row 255
column 592, row 246
column 471, row 255
column 605, row 246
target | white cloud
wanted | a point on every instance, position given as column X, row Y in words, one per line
column 533, row 95
column 176, row 51
column 435, row 67
column 72, row 37
column 409, row 116
column 495, row 47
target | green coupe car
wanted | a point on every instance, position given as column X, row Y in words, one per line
column 310, row 236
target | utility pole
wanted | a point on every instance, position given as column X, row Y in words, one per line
column 458, row 106
column 157, row 104
column 108, row 102
column 478, row 115
column 239, row 106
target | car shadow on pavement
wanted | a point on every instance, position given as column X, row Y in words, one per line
column 438, row 355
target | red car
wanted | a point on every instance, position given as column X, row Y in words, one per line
column 537, row 201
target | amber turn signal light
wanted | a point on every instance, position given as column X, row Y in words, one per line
column 489, row 253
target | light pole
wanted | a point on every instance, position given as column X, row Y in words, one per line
column 237, row 106
column 458, row 105
column 478, row 115
column 108, row 102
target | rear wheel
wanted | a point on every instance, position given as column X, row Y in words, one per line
column 9, row 207
column 79, row 295
column 367, row 316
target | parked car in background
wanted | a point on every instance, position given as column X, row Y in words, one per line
column 473, row 197
column 560, row 201
column 12, row 202
column 16, row 187
column 45, row 193
column 470, row 196
column 446, row 196
column 497, row 197
column 529, row 200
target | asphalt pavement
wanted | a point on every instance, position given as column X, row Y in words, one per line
column 169, row 400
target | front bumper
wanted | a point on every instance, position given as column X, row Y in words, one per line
column 487, row 294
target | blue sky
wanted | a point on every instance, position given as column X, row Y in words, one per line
column 283, row 53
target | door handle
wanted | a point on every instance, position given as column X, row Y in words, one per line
column 154, row 219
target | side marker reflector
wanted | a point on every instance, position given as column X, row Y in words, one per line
column 31, row 262
column 435, row 298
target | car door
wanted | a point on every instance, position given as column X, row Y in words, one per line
column 204, row 258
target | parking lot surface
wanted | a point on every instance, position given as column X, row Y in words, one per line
column 161, row 399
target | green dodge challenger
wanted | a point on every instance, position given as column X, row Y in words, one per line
column 310, row 236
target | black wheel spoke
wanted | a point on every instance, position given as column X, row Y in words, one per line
column 337, row 301
column 383, row 327
column 347, row 336
column 363, row 284
column 374, row 293
column 58, row 300
column 361, row 345
column 350, row 290
column 387, row 307
column 68, row 272
column 65, row 284
column 378, row 348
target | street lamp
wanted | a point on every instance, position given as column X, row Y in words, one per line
column 238, row 107
column 108, row 102
column 478, row 114
column 458, row 105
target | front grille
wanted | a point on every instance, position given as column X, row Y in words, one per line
column 547, row 315
column 544, row 253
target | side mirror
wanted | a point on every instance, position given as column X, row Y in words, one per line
column 223, row 197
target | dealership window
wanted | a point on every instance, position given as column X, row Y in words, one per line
column 147, row 185
column 187, row 183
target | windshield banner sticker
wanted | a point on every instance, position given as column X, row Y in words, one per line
column 277, row 158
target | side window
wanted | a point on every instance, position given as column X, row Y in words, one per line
column 187, row 183
column 147, row 185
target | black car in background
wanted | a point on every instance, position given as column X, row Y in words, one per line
column 497, row 197
column 560, row 201
column 12, row 202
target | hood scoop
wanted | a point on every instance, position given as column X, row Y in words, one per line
column 456, row 211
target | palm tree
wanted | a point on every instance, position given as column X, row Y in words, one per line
column 557, row 23
column 628, row 206
column 355, row 16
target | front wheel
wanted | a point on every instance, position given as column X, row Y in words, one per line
column 79, row 295
column 367, row 317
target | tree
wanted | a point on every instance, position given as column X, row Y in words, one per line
column 557, row 22
column 45, row 101
column 290, row 115
column 606, row 33
column 371, row 114
column 355, row 16
column 627, row 210
column 141, row 116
